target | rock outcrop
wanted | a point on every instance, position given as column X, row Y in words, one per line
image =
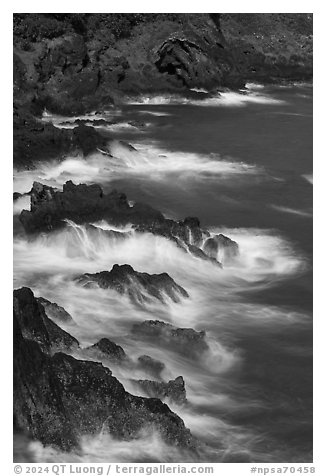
column 173, row 390
column 140, row 287
column 54, row 311
column 105, row 349
column 184, row 340
column 57, row 398
column 82, row 203
column 35, row 324
column 88, row 203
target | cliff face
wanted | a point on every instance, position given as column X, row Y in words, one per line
column 74, row 63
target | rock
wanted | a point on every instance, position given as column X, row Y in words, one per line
column 36, row 326
column 173, row 390
column 106, row 349
column 150, row 365
column 184, row 340
column 16, row 195
column 87, row 203
column 81, row 204
column 220, row 247
column 198, row 253
column 140, row 287
column 35, row 140
column 54, row 311
column 58, row 399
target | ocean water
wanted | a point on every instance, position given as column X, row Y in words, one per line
column 242, row 163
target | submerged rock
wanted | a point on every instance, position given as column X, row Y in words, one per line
column 173, row 390
column 35, row 324
column 58, row 399
column 150, row 365
column 184, row 340
column 140, row 287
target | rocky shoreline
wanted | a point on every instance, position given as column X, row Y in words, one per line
column 72, row 64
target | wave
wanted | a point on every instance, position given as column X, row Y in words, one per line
column 146, row 161
column 223, row 99
column 293, row 211
column 308, row 177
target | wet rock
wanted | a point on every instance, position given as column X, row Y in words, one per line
column 38, row 141
column 184, row 340
column 35, row 324
column 88, row 203
column 199, row 253
column 54, row 311
column 81, row 204
column 106, row 349
column 220, row 247
column 173, row 390
column 150, row 365
column 58, row 399
column 140, row 287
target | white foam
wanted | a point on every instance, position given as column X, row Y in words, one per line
column 149, row 162
column 293, row 211
column 223, row 99
column 308, row 177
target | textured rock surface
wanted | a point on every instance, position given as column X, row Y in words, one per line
column 140, row 287
column 54, row 311
column 73, row 63
column 184, row 340
column 35, row 324
column 57, row 398
column 173, row 390
column 105, row 349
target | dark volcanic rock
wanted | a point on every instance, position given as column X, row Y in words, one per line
column 54, row 311
column 184, row 340
column 36, row 326
column 57, row 398
column 140, row 287
column 173, row 390
column 37, row 141
column 106, row 349
column 81, row 203
column 150, row 365
column 88, row 203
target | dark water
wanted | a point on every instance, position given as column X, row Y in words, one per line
column 261, row 316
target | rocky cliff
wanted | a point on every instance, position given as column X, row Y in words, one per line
column 72, row 63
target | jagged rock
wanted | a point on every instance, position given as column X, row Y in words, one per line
column 54, row 311
column 140, row 287
column 81, row 203
column 184, row 340
column 35, row 324
column 150, row 365
column 106, row 349
column 88, row 203
column 220, row 247
column 173, row 390
column 35, row 141
column 57, row 399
